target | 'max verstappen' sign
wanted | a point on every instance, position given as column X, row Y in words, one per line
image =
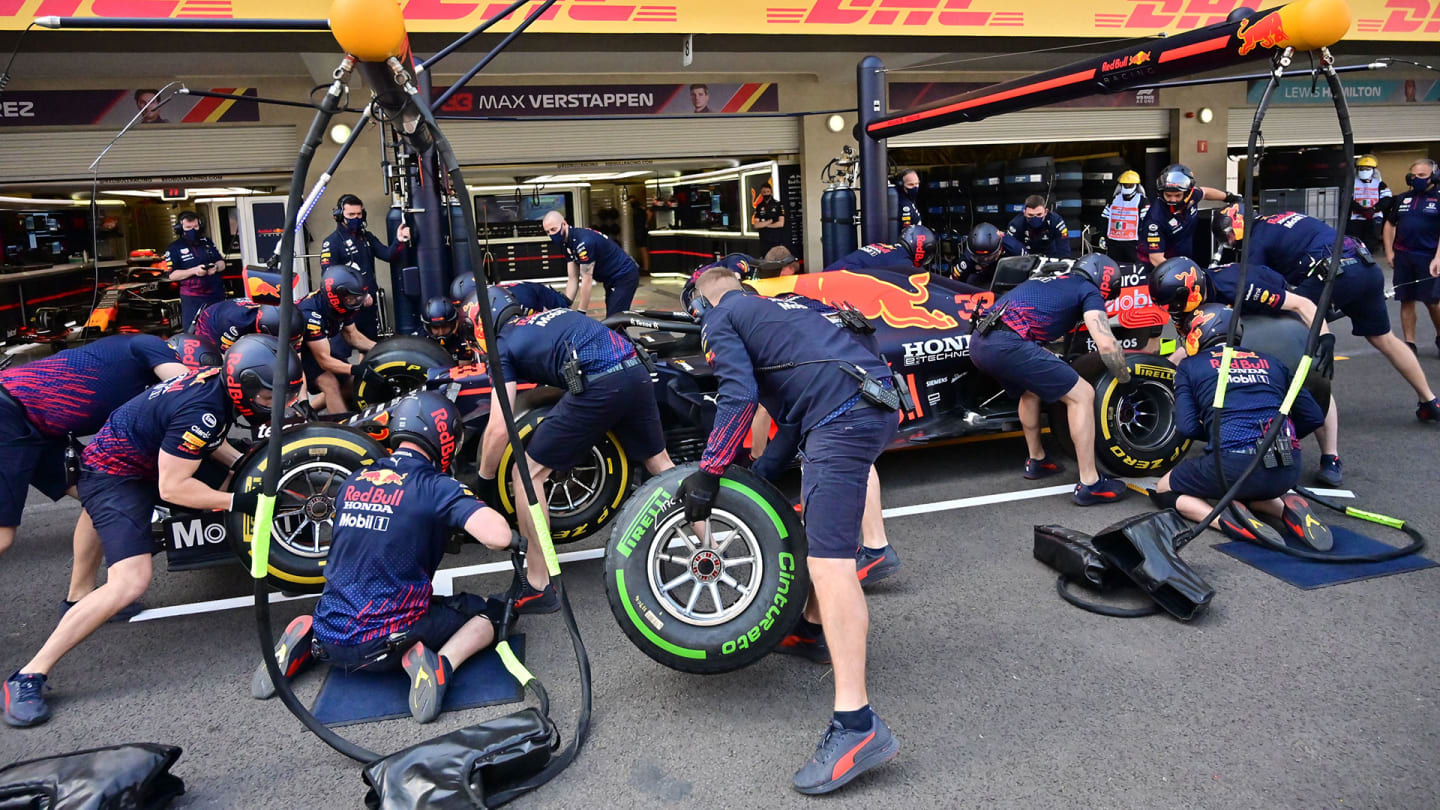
column 1412, row 20
column 622, row 99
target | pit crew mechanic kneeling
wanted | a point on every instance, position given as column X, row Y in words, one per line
column 981, row 250
column 1253, row 394
column 593, row 257
column 810, row 374
column 607, row 388
column 329, row 314
column 151, row 449
column 224, row 322
column 392, row 523
column 916, row 249
column 1008, row 344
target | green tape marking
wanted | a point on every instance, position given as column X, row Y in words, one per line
column 1375, row 517
column 517, row 669
column 1226, row 356
column 645, row 628
column 260, row 539
column 1169, row 347
column 1296, row 384
column 542, row 528
column 764, row 504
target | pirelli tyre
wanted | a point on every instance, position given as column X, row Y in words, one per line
column 1135, row 432
column 707, row 604
column 581, row 500
column 397, row 365
column 315, row 460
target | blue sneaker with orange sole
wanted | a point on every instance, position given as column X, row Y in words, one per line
column 25, row 704
column 844, row 754
column 292, row 652
column 875, row 564
column 1037, row 468
column 531, row 600
column 1105, row 490
column 805, row 641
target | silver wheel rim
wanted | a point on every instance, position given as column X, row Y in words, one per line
column 305, row 508
column 705, row 581
column 576, row 490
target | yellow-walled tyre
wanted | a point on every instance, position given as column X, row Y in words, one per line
column 397, row 365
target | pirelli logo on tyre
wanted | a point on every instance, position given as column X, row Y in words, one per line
column 1153, row 372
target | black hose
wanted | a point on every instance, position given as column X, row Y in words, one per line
column 1417, row 540
column 1104, row 610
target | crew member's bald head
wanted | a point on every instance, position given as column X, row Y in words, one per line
column 715, row 282
column 554, row 222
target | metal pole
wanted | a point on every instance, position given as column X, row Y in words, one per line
column 870, row 86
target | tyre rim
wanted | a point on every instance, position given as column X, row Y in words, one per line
column 705, row 581
column 1138, row 415
column 575, row 491
column 305, row 508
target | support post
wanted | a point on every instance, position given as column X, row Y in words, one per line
column 870, row 84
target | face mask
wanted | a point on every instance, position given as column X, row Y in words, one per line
column 1366, row 174
column 1129, row 191
column 558, row 238
column 353, row 224
column 1420, row 184
column 191, row 234
column 1034, row 222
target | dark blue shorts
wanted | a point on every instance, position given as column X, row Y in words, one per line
column 120, row 507
column 835, row 461
column 339, row 348
column 1359, row 293
column 26, row 458
column 444, row 618
column 1196, row 476
column 1413, row 281
column 622, row 402
column 620, row 293
column 1022, row 365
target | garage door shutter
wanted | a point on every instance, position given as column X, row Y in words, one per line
column 1313, row 125
column 1039, row 126
column 503, row 142
column 40, row 155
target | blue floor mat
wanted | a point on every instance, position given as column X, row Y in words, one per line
column 347, row 698
column 1307, row 575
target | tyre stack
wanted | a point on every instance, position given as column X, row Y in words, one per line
column 1024, row 177
column 1067, row 199
column 988, row 194
column 1101, row 175
column 958, row 205
column 934, row 191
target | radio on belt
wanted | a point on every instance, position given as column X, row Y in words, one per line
column 872, row 390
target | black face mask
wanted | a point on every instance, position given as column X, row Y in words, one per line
column 191, row 234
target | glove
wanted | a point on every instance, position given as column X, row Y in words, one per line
column 245, row 502
column 488, row 490
column 1325, row 356
column 1233, row 198
column 698, row 493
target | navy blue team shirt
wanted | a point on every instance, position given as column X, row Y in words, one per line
column 536, row 297
column 319, row 322
column 344, row 246
column 585, row 246
column 75, row 390
column 1044, row 309
column 1052, row 238
column 1172, row 234
column 392, row 520
column 1257, row 386
column 746, row 332
column 536, row 347
column 184, row 254
column 879, row 256
column 1290, row 243
column 224, row 322
column 1416, row 218
column 186, row 417
column 1264, row 288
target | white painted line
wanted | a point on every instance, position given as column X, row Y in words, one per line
column 445, row 578
column 979, row 500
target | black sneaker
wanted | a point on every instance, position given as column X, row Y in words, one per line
column 1413, row 350
column 1249, row 528
column 843, row 755
column 1332, row 472
column 25, row 700
column 1303, row 526
column 531, row 601
column 804, row 645
column 292, row 652
column 1037, row 468
column 427, row 682
column 1428, row 411
column 126, row 613
column 1105, row 490
column 873, row 565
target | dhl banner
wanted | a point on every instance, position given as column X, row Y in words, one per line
column 1397, row 20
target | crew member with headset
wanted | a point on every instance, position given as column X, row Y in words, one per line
column 196, row 263
column 1298, row 247
column 1367, row 206
column 329, row 314
column 224, row 322
column 150, row 449
column 916, row 249
column 1041, row 230
column 840, row 397
column 908, row 189
column 1412, row 246
column 1167, row 230
column 1008, row 344
column 1123, row 214
column 607, row 388
column 352, row 244
column 378, row 610
column 769, row 219
column 981, row 250
column 67, row 394
column 442, row 324
column 1253, row 395
column 593, row 257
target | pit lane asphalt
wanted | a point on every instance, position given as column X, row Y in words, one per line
column 1000, row 694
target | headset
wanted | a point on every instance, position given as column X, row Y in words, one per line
column 348, row 199
column 1434, row 168
column 184, row 215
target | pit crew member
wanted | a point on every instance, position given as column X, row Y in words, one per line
column 1412, row 246
column 329, row 314
column 1041, row 230
column 196, row 263
column 1168, row 229
column 916, row 249
column 351, row 244
column 593, row 257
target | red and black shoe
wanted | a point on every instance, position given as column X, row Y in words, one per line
column 808, row 645
column 1248, row 528
column 429, row 678
column 1037, row 468
column 531, row 600
column 1428, row 411
column 292, row 653
column 1303, row 526
column 873, row 565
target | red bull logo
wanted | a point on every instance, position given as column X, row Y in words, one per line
column 876, row 298
column 1128, row 61
column 1193, row 335
column 380, row 478
column 441, row 419
column 1266, row 32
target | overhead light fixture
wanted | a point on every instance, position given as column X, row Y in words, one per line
column 1206, row 115
column 53, row 201
column 835, row 123
column 340, row 133
column 585, row 178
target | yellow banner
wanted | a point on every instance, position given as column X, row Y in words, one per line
column 1397, row 20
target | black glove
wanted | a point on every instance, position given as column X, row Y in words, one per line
column 488, row 490
column 1233, row 198
column 698, row 493
column 245, row 503
column 1325, row 356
